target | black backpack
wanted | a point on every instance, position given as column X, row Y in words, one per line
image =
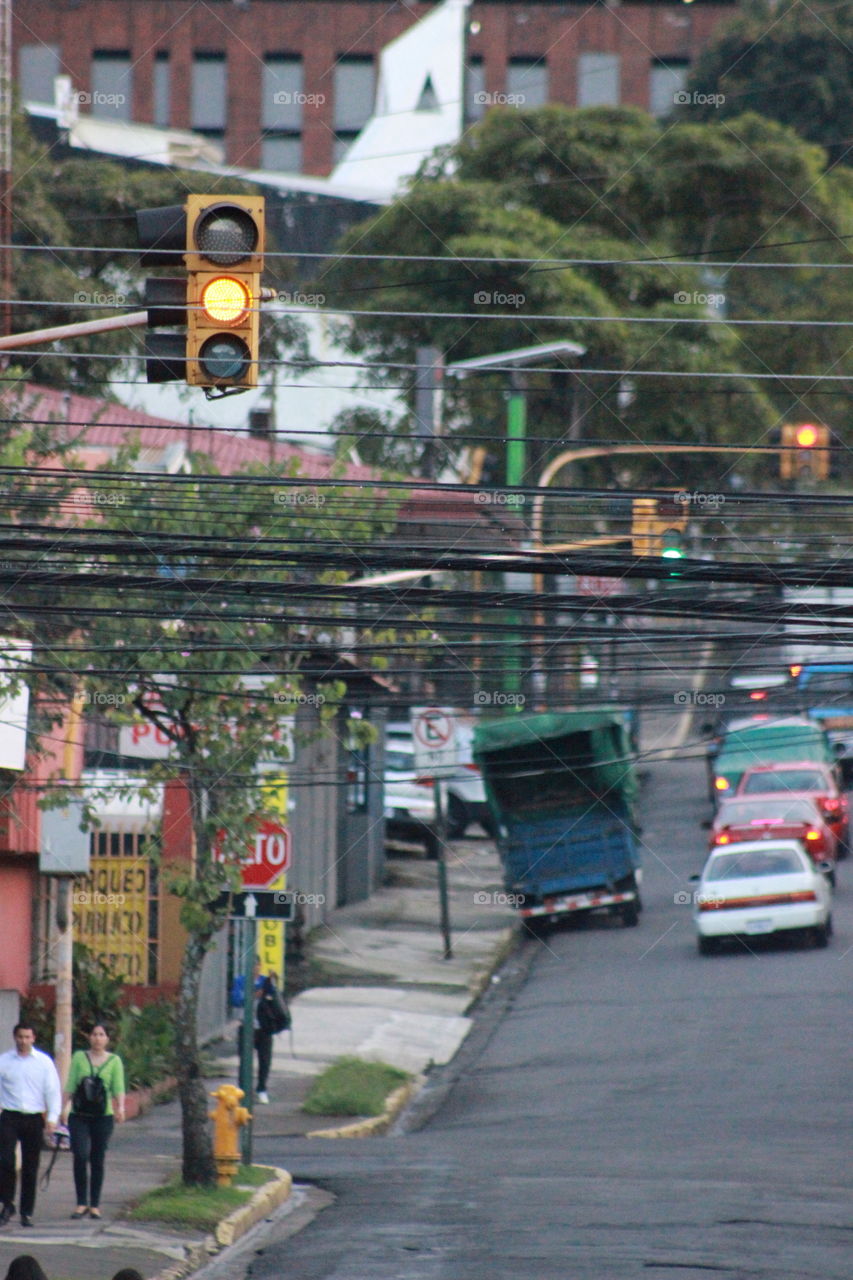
column 273, row 1014
column 90, row 1096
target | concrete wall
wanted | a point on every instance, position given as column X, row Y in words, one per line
column 10, row 1004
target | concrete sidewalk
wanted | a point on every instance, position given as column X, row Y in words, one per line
column 390, row 996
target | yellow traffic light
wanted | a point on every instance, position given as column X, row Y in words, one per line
column 224, row 258
column 805, row 453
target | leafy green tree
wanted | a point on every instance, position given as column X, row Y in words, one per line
column 608, row 191
column 791, row 62
column 187, row 613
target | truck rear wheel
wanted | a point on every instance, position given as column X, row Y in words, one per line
column 630, row 914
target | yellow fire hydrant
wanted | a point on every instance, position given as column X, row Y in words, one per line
column 228, row 1119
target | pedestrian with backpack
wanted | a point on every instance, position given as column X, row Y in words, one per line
column 271, row 1016
column 94, row 1100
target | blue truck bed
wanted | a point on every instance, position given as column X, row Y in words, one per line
column 561, row 787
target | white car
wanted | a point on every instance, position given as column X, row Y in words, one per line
column 762, row 887
column 409, row 796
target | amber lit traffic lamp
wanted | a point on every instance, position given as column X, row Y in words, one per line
column 219, row 240
column 225, row 255
column 805, row 453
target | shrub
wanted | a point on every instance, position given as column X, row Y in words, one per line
column 352, row 1087
column 145, row 1039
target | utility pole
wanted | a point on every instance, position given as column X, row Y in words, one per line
column 5, row 166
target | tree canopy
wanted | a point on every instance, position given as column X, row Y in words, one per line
column 623, row 202
column 791, row 62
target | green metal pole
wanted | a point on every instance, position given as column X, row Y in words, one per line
column 516, row 437
column 247, row 1046
column 516, row 473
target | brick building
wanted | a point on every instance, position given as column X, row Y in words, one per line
column 287, row 84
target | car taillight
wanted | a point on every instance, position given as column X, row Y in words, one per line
column 723, row 839
column 424, row 782
column 722, row 784
column 830, row 804
column 760, row 900
column 812, row 835
column 475, row 768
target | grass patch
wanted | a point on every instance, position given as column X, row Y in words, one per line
column 200, row 1207
column 352, row 1087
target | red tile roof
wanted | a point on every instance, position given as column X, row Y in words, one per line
column 110, row 425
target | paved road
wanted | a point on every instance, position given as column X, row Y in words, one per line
column 638, row 1111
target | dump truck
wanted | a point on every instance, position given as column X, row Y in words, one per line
column 562, row 789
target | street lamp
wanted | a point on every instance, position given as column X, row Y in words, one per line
column 516, row 432
column 511, row 362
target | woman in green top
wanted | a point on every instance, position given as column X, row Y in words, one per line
column 90, row 1134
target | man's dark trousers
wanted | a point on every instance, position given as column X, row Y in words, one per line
column 15, row 1127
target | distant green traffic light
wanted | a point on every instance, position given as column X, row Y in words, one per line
column 672, row 547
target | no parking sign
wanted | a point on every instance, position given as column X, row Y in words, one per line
column 434, row 737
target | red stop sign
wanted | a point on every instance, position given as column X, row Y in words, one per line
column 267, row 855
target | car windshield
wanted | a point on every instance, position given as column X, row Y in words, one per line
column 753, row 862
column 785, row 780
column 742, row 815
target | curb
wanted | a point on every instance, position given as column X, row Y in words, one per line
column 504, row 947
column 369, row 1128
column 230, row 1229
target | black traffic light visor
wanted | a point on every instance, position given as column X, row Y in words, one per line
column 225, row 234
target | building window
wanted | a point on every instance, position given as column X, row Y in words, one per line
column 162, row 87
column 112, row 84
column 667, row 78
column 38, row 64
column 527, row 81
column 282, row 108
column 354, row 87
column 282, row 152
column 475, row 90
column 209, row 94
column 598, row 80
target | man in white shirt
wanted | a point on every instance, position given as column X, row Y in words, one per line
column 30, row 1101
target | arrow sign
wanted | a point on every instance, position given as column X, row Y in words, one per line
column 272, row 905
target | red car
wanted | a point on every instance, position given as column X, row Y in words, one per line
column 805, row 777
column 791, row 817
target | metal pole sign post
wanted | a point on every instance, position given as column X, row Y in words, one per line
column 247, row 1040
column 436, row 752
column 250, row 907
